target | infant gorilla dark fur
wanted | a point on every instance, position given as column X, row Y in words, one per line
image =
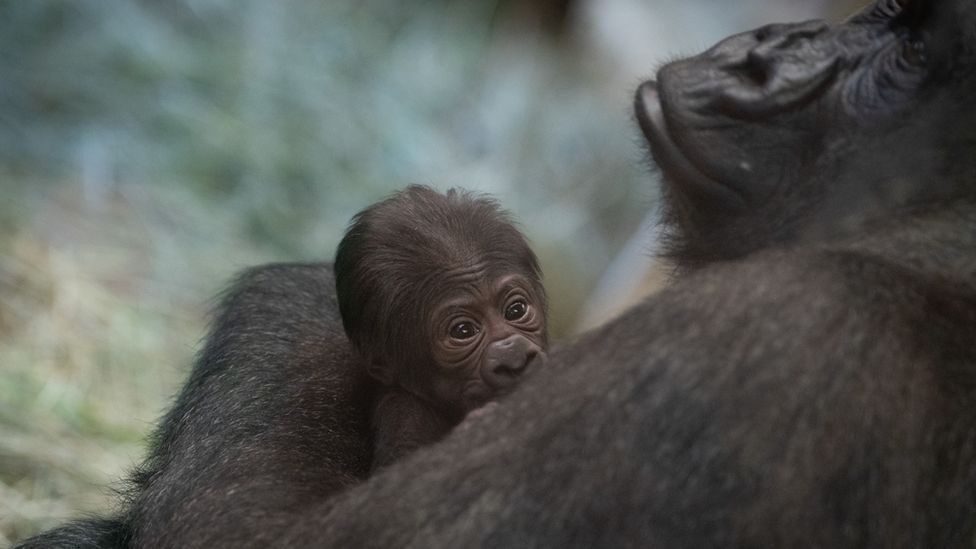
column 443, row 298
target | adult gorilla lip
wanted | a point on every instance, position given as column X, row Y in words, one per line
column 650, row 116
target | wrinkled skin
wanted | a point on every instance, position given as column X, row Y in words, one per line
column 490, row 331
column 810, row 380
column 444, row 300
column 492, row 335
column 792, row 133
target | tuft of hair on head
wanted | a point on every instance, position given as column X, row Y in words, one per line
column 387, row 263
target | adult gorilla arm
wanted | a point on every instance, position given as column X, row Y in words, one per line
column 815, row 397
column 822, row 397
column 274, row 415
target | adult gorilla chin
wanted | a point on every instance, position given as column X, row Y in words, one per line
column 809, row 381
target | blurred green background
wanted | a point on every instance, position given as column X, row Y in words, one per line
column 149, row 150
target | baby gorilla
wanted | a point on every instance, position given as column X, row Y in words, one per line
column 443, row 298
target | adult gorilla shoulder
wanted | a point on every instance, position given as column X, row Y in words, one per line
column 275, row 414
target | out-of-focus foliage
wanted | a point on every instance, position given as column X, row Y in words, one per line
column 297, row 114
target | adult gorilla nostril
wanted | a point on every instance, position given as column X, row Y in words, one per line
column 775, row 41
column 761, row 59
column 758, row 67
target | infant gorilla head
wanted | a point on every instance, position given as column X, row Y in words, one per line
column 442, row 297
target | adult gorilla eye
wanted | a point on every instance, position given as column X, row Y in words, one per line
column 516, row 310
column 913, row 52
column 463, row 330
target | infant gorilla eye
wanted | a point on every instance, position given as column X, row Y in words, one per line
column 463, row 330
column 516, row 310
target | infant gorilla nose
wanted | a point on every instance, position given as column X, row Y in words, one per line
column 507, row 360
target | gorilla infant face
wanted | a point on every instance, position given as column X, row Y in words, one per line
column 844, row 118
column 487, row 332
column 442, row 296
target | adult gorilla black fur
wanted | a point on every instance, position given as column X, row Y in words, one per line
column 810, row 381
column 275, row 415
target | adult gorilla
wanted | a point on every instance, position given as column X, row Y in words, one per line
column 813, row 381
column 810, row 380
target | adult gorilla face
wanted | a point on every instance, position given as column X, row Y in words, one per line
column 773, row 128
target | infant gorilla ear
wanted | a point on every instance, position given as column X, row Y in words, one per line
column 443, row 298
